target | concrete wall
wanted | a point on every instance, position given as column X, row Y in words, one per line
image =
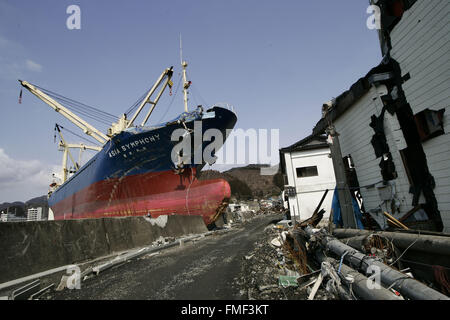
column 421, row 45
column 31, row 247
column 310, row 189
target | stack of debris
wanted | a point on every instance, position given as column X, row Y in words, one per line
column 304, row 262
column 275, row 270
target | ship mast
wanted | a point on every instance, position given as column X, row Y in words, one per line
column 186, row 84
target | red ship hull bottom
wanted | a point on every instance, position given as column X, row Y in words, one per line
column 154, row 194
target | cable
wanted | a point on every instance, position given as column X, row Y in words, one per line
column 135, row 105
column 171, row 102
column 194, row 88
column 393, row 283
column 405, row 251
column 422, row 264
column 86, row 107
column 81, row 137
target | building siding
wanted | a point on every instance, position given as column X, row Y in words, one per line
column 421, row 45
column 355, row 135
column 310, row 189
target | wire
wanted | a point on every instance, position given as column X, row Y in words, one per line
column 396, row 280
column 196, row 91
column 422, row 264
column 135, row 105
column 85, row 107
column 81, row 137
column 139, row 101
column 171, row 102
column 405, row 251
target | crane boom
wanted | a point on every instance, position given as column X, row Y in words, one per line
column 166, row 73
column 82, row 124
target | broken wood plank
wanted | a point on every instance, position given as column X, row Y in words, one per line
column 316, row 287
column 398, row 223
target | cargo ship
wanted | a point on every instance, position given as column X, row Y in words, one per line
column 135, row 172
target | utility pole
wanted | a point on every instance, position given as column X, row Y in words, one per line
column 345, row 198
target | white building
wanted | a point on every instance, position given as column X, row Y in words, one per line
column 308, row 170
column 34, row 214
column 395, row 121
column 10, row 217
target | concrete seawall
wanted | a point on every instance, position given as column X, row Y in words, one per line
column 31, row 247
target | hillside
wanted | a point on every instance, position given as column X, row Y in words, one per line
column 239, row 178
column 20, row 208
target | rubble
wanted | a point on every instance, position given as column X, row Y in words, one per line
column 271, row 273
column 302, row 262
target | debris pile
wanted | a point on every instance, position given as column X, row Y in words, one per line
column 276, row 269
column 302, row 262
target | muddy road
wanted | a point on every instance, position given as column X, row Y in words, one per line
column 204, row 270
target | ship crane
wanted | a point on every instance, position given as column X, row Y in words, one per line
column 82, row 124
column 163, row 81
column 117, row 127
column 65, row 147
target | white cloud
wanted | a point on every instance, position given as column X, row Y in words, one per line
column 21, row 180
column 14, row 60
column 33, row 66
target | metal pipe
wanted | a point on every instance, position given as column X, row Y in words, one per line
column 359, row 285
column 431, row 244
column 389, row 277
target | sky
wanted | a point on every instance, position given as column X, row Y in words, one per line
column 275, row 62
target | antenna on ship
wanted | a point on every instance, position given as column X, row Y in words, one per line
column 186, row 84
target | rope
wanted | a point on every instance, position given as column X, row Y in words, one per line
column 340, row 262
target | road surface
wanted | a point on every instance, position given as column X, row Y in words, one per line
column 202, row 270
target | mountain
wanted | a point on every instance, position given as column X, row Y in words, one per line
column 245, row 182
column 20, row 208
column 37, row 202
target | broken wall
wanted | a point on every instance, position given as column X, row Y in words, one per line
column 355, row 134
column 421, row 45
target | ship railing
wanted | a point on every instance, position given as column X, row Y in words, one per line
column 225, row 105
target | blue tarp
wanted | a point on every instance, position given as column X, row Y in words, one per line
column 336, row 208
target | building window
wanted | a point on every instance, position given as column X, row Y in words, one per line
column 304, row 172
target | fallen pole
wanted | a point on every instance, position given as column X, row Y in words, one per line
column 432, row 244
column 360, row 282
column 389, row 277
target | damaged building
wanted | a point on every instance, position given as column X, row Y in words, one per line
column 308, row 173
column 393, row 123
